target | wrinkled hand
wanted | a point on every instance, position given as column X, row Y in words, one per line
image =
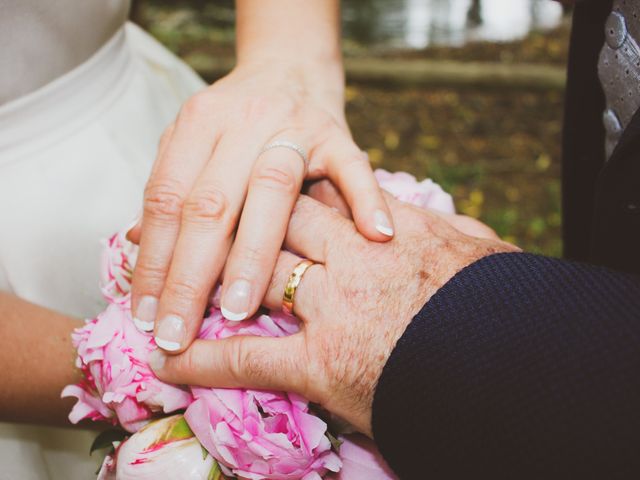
column 211, row 179
column 325, row 192
column 354, row 304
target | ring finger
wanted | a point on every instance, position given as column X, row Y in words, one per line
column 309, row 289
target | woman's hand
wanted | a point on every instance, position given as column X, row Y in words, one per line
column 213, row 191
column 355, row 303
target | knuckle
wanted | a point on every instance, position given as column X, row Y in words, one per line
column 245, row 364
column 259, row 107
column 197, row 106
column 181, row 364
column 162, row 199
column 424, row 223
column 256, row 108
column 183, row 289
column 208, row 205
column 251, row 256
column 255, row 366
column 276, row 177
column 152, row 270
column 240, row 361
column 231, row 359
column 190, row 362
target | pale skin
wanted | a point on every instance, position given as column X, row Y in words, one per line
column 214, row 201
column 35, row 398
column 37, row 360
column 210, row 185
column 213, row 193
column 374, row 290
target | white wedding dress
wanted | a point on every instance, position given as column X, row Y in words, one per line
column 75, row 153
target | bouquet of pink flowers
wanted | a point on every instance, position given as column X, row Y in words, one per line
column 212, row 433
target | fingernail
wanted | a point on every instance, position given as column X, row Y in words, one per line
column 235, row 303
column 146, row 313
column 134, row 222
column 171, row 333
column 157, row 359
column 383, row 225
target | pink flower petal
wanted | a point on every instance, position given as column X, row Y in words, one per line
column 254, row 434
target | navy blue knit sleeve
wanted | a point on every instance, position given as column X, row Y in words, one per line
column 521, row 366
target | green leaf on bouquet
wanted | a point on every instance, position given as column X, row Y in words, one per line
column 178, row 430
column 216, row 473
column 105, row 439
column 335, row 442
column 204, row 452
column 175, row 429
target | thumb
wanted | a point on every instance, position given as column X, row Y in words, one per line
column 242, row 361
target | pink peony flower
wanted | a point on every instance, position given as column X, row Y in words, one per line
column 252, row 434
column 275, row 324
column 424, row 194
column 361, row 460
column 258, row 435
column 164, row 448
column 119, row 385
column 116, row 268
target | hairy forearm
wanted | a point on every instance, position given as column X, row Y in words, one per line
column 36, row 361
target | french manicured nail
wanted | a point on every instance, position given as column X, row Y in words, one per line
column 146, row 313
column 235, row 302
column 157, row 359
column 383, row 225
column 170, row 333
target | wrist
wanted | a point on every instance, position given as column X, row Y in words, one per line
column 295, row 42
column 289, row 30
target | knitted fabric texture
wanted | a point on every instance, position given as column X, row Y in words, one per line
column 521, row 366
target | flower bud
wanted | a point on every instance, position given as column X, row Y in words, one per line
column 164, row 448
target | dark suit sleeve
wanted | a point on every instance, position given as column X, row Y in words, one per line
column 521, row 366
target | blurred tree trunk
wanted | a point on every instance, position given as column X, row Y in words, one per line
column 474, row 15
column 135, row 14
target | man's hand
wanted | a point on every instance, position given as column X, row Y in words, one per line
column 355, row 303
column 325, row 192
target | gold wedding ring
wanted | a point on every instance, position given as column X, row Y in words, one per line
column 292, row 285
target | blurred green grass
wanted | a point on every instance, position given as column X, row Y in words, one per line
column 497, row 152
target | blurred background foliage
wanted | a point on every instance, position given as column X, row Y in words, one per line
column 497, row 150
